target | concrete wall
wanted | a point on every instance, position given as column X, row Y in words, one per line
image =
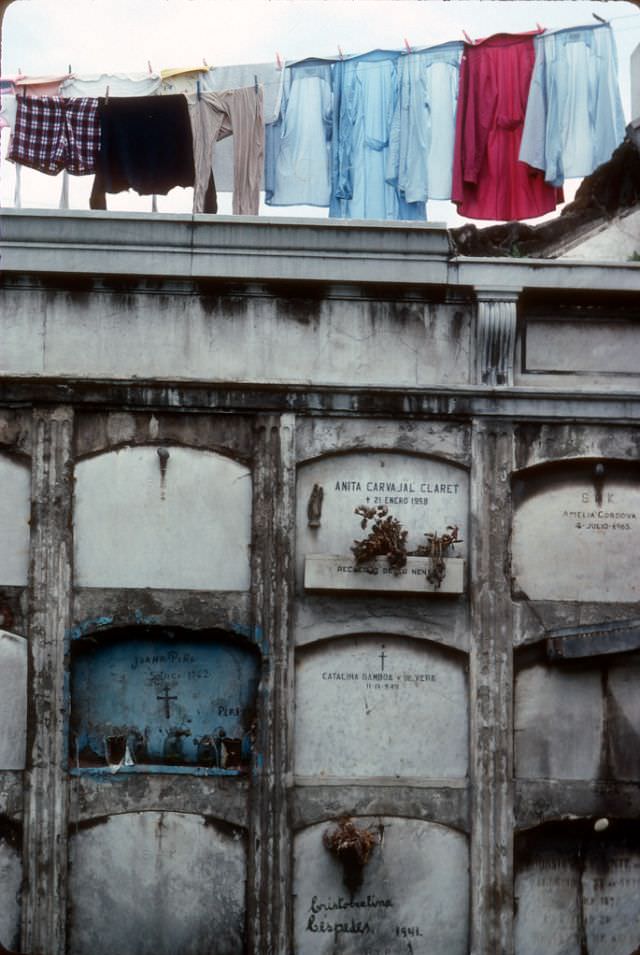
column 215, row 684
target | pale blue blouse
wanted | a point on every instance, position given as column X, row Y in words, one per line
column 298, row 144
column 574, row 118
column 423, row 128
column 366, row 91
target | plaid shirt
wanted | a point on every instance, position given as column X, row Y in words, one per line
column 52, row 133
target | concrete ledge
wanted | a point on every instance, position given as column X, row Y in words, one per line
column 249, row 248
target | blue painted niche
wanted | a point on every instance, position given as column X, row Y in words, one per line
column 153, row 697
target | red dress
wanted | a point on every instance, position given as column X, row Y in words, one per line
column 489, row 182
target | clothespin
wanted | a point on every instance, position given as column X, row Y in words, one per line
column 278, row 61
column 106, row 95
column 467, row 37
column 255, row 82
column 198, row 88
column 601, row 19
column 340, row 52
column 149, row 65
column 406, row 43
column 205, row 64
column 69, row 69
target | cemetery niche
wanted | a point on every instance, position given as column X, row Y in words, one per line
column 576, row 531
column 594, row 700
column 13, row 700
column 381, row 706
column 387, row 522
column 402, row 891
column 577, row 888
column 10, row 883
column 145, row 697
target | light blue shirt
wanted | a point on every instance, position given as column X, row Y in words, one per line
column 366, row 91
column 423, row 128
column 298, row 144
column 574, row 118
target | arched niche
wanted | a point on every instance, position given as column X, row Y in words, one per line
column 15, row 507
column 146, row 698
column 426, row 494
column 577, row 890
column 175, row 517
column 10, row 883
column 576, row 531
column 413, row 896
column 13, row 700
column 578, row 719
column 156, row 883
column 381, row 706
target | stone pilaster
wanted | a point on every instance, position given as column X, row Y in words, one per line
column 496, row 335
column 490, row 682
column 45, row 815
column 269, row 878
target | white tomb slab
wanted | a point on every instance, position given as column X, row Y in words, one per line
column 13, row 700
column 413, row 898
column 558, row 723
column 570, row 545
column 156, row 884
column 547, row 900
column 10, row 887
column 380, row 706
column 426, row 495
column 144, row 520
column 15, row 507
column 587, row 887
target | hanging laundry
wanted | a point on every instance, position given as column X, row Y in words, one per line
column 221, row 78
column 182, row 79
column 39, row 85
column 7, row 96
column 574, row 118
column 119, row 84
column 488, row 180
column 365, row 97
column 8, row 110
column 298, row 144
column 51, row 134
column 423, row 128
column 146, row 145
column 215, row 116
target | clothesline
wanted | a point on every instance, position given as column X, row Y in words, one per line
column 369, row 135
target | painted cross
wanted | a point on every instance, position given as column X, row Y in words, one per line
column 166, row 700
column 382, row 658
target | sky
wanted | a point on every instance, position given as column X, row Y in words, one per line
column 48, row 36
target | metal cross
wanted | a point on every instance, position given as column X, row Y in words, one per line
column 166, row 700
column 382, row 658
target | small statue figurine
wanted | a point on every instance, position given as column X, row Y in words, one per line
column 314, row 507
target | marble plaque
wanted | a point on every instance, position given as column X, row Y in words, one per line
column 413, row 899
column 156, row 884
column 327, row 572
column 610, row 347
column 425, row 494
column 10, row 887
column 162, row 700
column 380, row 706
column 13, row 700
column 558, row 723
column 571, row 542
column 579, row 892
column 144, row 520
column 15, row 507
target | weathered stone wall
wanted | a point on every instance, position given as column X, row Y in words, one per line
column 218, row 693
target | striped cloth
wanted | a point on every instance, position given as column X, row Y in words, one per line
column 52, row 133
